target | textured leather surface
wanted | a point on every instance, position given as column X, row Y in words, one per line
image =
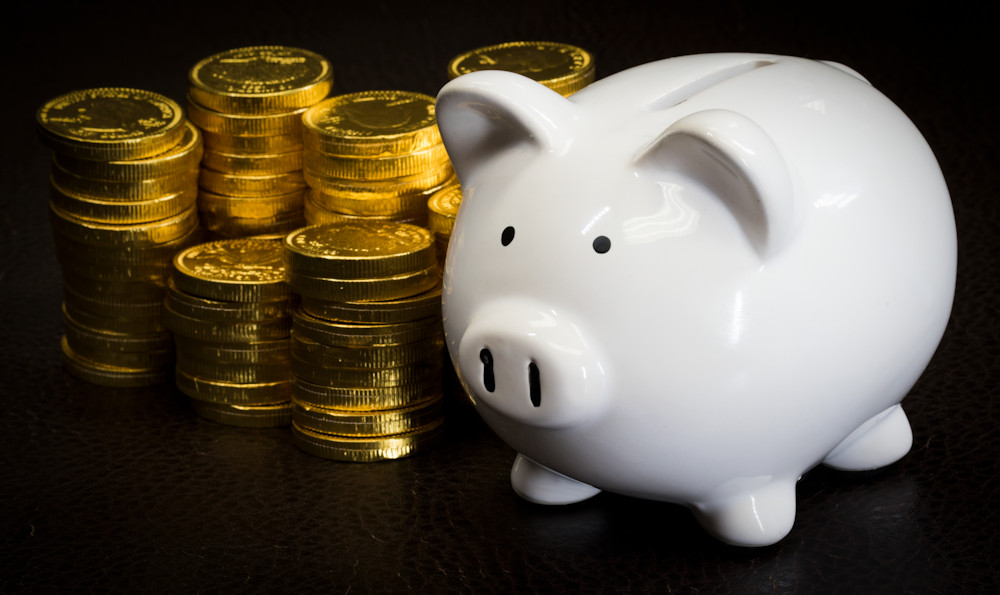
column 126, row 490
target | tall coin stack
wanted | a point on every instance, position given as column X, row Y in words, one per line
column 123, row 189
column 249, row 104
column 367, row 340
column 563, row 68
column 373, row 155
column 230, row 310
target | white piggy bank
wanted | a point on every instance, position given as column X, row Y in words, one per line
column 694, row 280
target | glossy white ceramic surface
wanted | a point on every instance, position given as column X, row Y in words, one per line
column 781, row 269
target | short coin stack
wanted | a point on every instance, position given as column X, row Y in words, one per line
column 123, row 189
column 563, row 68
column 249, row 103
column 230, row 310
column 442, row 208
column 367, row 340
column 373, row 155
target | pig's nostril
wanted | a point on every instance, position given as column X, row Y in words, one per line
column 534, row 385
column 487, row 358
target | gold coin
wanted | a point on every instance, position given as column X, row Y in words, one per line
column 317, row 215
column 253, row 165
column 256, row 352
column 367, row 423
column 255, row 416
column 97, row 340
column 442, row 208
column 337, row 377
column 233, row 271
column 383, row 356
column 122, row 212
column 563, row 68
column 143, row 291
column 233, row 393
column 376, row 168
column 267, row 207
column 123, row 191
column 161, row 360
column 360, row 250
column 406, row 206
column 137, row 325
column 372, row 124
column 379, row 189
column 240, row 125
column 99, row 305
column 368, row 450
column 422, row 305
column 224, row 226
column 106, row 375
column 176, row 161
column 250, row 186
column 382, row 288
column 239, row 373
column 336, row 334
column 252, row 145
column 365, row 398
column 261, row 80
column 154, row 257
column 137, row 235
column 225, row 312
column 225, row 332
column 111, row 124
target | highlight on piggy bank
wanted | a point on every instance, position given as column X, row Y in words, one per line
column 694, row 280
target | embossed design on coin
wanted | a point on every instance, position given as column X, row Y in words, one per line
column 372, row 113
column 261, row 80
column 115, row 122
column 234, row 261
column 561, row 67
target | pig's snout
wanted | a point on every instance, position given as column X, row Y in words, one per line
column 534, row 366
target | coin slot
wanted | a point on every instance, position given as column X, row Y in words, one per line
column 687, row 91
column 602, row 244
column 534, row 385
column 487, row 358
column 507, row 236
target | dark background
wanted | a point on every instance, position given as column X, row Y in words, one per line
column 127, row 490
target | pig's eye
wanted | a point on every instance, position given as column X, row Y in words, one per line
column 507, row 236
column 601, row 244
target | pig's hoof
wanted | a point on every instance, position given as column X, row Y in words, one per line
column 760, row 517
column 542, row 485
column 881, row 440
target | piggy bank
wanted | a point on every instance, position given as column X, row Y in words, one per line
column 694, row 280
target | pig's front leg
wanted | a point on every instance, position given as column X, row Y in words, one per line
column 759, row 517
column 878, row 442
column 541, row 485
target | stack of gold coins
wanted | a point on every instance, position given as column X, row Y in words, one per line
column 367, row 340
column 230, row 310
column 123, row 189
column 373, row 155
column 563, row 68
column 442, row 208
column 249, row 104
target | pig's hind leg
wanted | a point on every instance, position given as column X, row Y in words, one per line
column 541, row 485
column 757, row 518
column 878, row 442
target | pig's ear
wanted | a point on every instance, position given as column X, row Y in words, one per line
column 738, row 161
column 482, row 114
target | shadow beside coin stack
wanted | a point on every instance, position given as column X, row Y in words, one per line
column 123, row 192
column 230, row 311
column 367, row 340
column 249, row 104
column 374, row 155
